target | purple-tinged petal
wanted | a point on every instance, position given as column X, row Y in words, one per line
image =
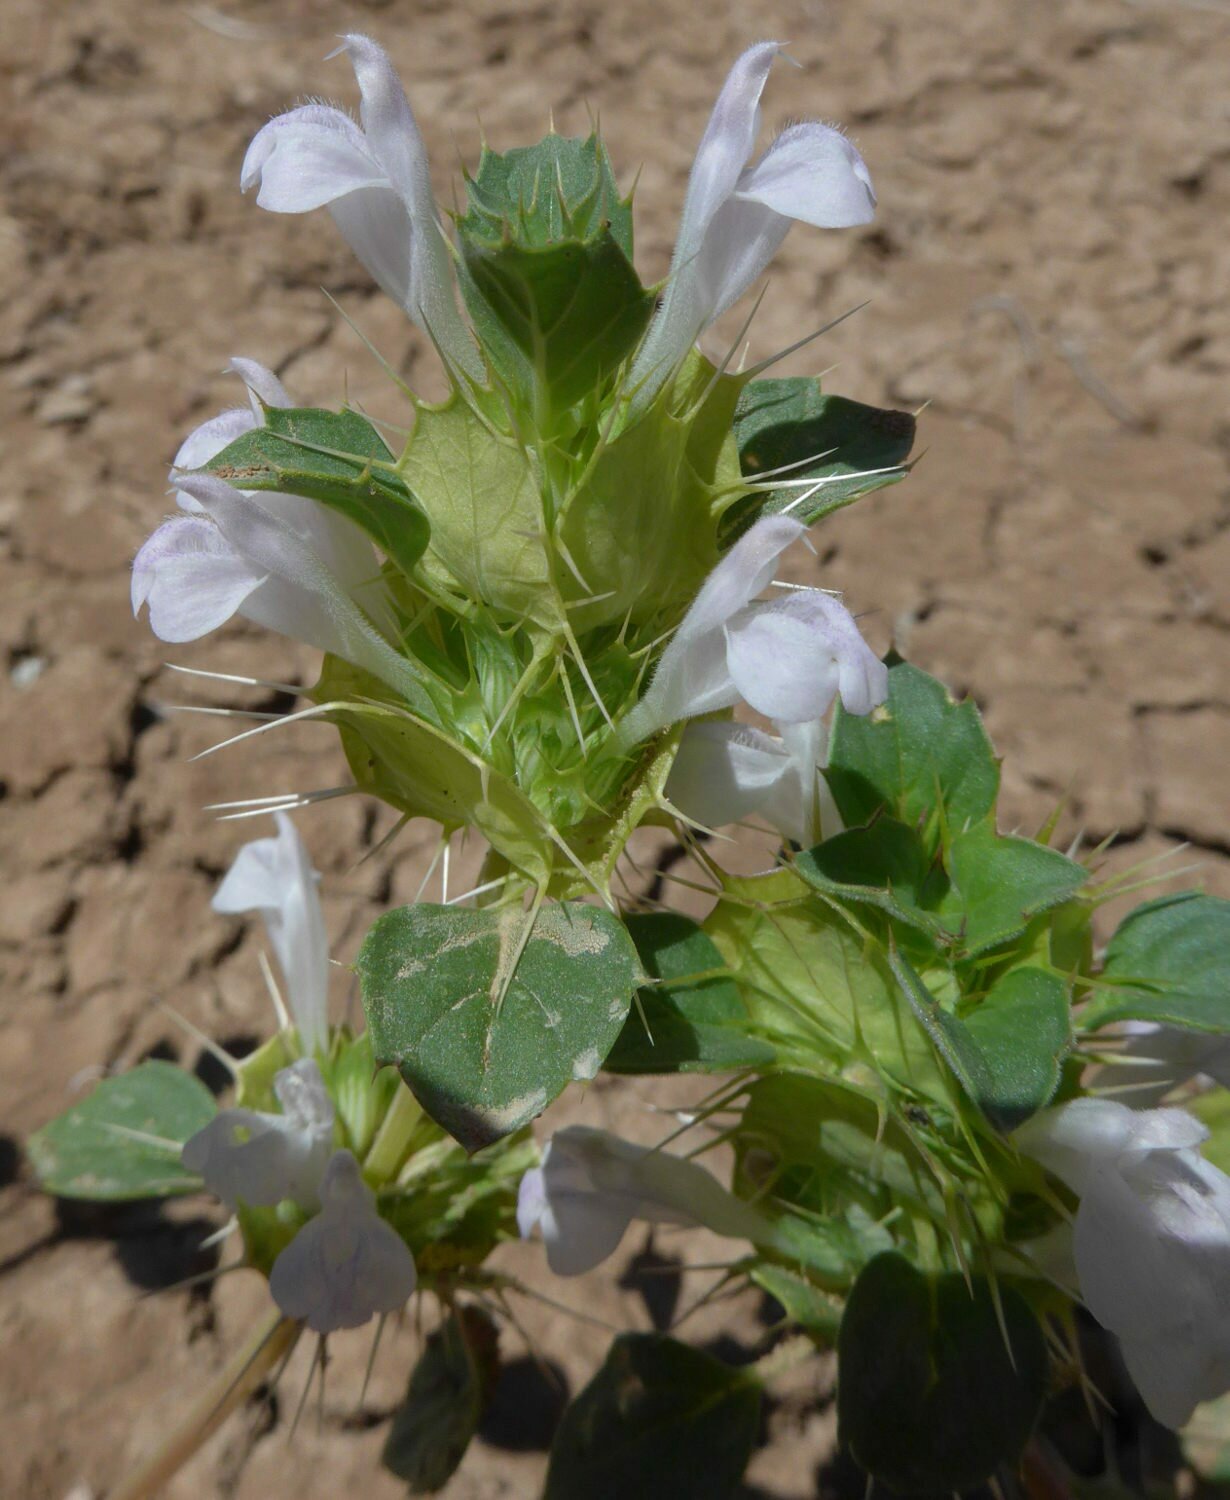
column 345, row 1265
column 191, row 578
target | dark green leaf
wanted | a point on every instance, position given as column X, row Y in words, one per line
column 999, row 884
column 1023, row 1030
column 658, row 1421
column 692, row 1022
column 883, row 865
column 328, row 456
column 1169, row 961
column 449, row 1386
column 486, row 1023
column 784, row 422
column 928, row 1396
column 124, row 1138
column 919, row 750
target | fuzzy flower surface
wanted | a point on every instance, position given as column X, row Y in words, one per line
column 1151, row 1242
column 737, row 211
column 346, row 1265
column 787, row 657
column 374, row 179
column 245, row 1156
column 592, row 1185
column 274, row 876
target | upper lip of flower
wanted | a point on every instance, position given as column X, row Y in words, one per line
column 374, row 180
column 736, row 212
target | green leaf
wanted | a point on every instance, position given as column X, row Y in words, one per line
column 1008, row 1051
column 883, row 865
column 574, row 310
column 814, row 986
column 828, row 1145
column 546, row 247
column 562, row 188
column 488, row 1022
column 928, row 1396
column 999, row 884
column 691, row 1022
column 485, row 512
column 123, row 1139
column 779, row 423
column 949, row 1034
column 659, row 1420
column 449, row 1387
column 918, row 750
column 1023, row 1030
column 816, row 1312
column 1169, row 961
column 330, row 457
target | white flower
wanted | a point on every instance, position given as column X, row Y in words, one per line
column 787, row 657
column 376, row 184
column 1157, row 1059
column 282, row 561
column 275, row 877
column 258, row 1159
column 592, row 1184
column 345, row 1265
column 725, row 772
column 1151, row 1242
column 736, row 214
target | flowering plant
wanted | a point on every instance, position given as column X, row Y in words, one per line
column 539, row 616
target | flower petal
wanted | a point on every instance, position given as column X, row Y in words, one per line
column 812, row 173
column 209, row 439
column 345, row 1265
column 192, row 579
column 724, row 772
column 692, row 676
column 302, row 597
column 394, row 138
column 789, row 657
column 264, row 387
column 728, row 141
column 307, row 158
column 275, row 877
column 261, row 1159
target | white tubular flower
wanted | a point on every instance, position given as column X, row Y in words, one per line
column 787, row 657
column 267, row 559
column 1151, row 1243
column 275, row 877
column 737, row 212
column 1157, row 1059
column 375, row 182
column 725, row 772
column 345, row 1265
column 248, row 1157
column 591, row 1185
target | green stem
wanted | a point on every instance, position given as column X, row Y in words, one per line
column 388, row 1150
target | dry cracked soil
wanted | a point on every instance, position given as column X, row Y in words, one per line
column 1047, row 274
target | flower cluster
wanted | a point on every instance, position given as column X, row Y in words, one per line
column 553, row 616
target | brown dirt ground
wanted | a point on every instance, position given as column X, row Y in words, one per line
column 1048, row 270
